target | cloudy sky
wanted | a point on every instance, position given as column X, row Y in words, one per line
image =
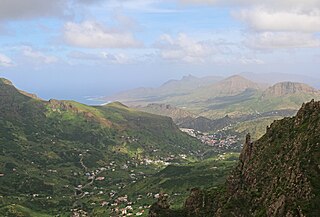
column 79, row 48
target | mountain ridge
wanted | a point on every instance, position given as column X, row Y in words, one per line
column 52, row 151
column 285, row 88
column 276, row 175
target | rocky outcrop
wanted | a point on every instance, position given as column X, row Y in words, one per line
column 73, row 107
column 278, row 175
column 286, row 88
column 233, row 85
column 161, row 207
column 275, row 174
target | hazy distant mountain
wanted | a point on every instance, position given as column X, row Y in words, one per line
column 235, row 96
column 167, row 110
column 247, row 105
column 272, row 78
column 287, row 88
column 230, row 86
column 234, row 85
column 144, row 96
column 188, row 83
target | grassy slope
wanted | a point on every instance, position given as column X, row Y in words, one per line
column 40, row 145
column 257, row 128
column 277, row 175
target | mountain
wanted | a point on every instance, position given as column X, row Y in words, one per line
column 188, row 83
column 173, row 112
column 281, row 96
column 194, row 94
column 172, row 88
column 234, row 96
column 273, row 78
column 286, row 88
column 277, row 175
column 244, row 101
column 230, row 86
column 53, row 153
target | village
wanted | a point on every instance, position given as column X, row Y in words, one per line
column 105, row 187
column 221, row 141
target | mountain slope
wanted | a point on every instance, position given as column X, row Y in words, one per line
column 234, row 96
column 230, row 86
column 48, row 148
column 167, row 110
column 278, row 175
column 172, row 88
column 286, row 88
column 277, row 77
column 281, row 96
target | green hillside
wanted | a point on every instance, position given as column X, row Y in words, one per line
column 52, row 152
column 277, row 175
column 234, row 96
column 177, row 180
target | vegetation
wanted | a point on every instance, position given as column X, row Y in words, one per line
column 277, row 175
column 48, row 149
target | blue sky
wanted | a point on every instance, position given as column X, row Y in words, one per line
column 70, row 49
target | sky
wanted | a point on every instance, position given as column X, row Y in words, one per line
column 79, row 49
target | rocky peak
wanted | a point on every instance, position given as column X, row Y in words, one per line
column 189, row 77
column 236, row 84
column 277, row 175
column 5, row 81
column 308, row 111
column 161, row 207
column 286, row 88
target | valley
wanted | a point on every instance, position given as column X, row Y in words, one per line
column 276, row 175
column 159, row 108
column 234, row 102
column 65, row 158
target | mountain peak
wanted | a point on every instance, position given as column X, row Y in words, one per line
column 286, row 88
column 5, row 81
column 117, row 104
column 235, row 84
column 270, row 172
column 188, row 77
column 236, row 78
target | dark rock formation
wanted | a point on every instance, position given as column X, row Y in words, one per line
column 278, row 175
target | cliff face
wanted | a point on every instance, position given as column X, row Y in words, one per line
column 278, row 175
column 233, row 85
column 285, row 88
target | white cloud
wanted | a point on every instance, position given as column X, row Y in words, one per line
column 38, row 56
column 273, row 15
column 17, row 9
column 183, row 48
column 284, row 4
column 262, row 19
column 84, row 56
column 5, row 61
column 116, row 58
column 249, row 60
column 94, row 35
column 101, row 57
column 284, row 40
column 146, row 6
